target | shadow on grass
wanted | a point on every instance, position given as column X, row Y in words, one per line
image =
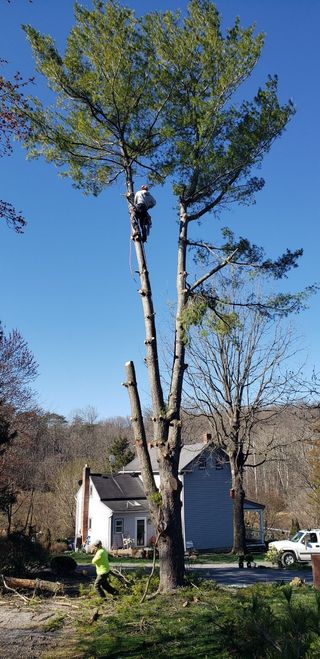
column 265, row 621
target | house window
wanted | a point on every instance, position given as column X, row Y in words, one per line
column 118, row 525
column 90, row 524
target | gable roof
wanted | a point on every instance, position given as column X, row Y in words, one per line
column 188, row 453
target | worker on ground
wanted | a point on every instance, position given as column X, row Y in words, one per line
column 143, row 201
column 101, row 562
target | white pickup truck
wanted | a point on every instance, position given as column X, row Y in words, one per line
column 298, row 548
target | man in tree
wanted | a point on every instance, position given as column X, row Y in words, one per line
column 101, row 562
column 153, row 94
column 143, row 201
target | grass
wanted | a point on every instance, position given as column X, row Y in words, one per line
column 54, row 623
column 265, row 621
column 215, row 557
column 211, row 557
column 84, row 559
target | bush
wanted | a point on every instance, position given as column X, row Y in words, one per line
column 63, row 565
column 18, row 554
column 273, row 556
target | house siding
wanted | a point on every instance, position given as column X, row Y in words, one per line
column 103, row 521
column 129, row 520
column 78, row 530
column 208, row 507
column 100, row 516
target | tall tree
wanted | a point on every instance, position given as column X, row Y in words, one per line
column 153, row 95
column 18, row 369
column 238, row 379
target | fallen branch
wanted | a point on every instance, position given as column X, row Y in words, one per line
column 13, row 590
column 71, row 606
column 116, row 573
column 151, row 575
column 32, row 584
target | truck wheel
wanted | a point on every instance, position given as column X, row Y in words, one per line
column 288, row 558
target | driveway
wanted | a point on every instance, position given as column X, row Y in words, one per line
column 230, row 575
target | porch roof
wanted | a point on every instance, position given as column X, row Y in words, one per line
column 131, row 506
column 253, row 505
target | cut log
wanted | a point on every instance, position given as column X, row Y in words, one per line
column 32, row 584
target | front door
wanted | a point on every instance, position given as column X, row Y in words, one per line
column 141, row 531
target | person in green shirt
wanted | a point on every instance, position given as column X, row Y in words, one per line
column 101, row 562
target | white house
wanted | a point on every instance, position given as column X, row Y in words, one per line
column 114, row 508
column 111, row 509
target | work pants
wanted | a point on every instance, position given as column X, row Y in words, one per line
column 101, row 584
column 144, row 220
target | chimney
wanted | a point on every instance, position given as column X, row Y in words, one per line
column 207, row 437
column 85, row 503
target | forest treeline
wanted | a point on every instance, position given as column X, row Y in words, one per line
column 43, row 461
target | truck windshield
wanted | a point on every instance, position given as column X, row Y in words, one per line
column 297, row 536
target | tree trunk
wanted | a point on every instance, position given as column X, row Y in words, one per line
column 171, row 548
column 32, row 584
column 239, row 531
column 165, row 505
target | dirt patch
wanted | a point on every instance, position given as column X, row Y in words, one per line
column 31, row 630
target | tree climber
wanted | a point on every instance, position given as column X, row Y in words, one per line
column 143, row 201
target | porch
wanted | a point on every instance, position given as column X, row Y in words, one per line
column 254, row 523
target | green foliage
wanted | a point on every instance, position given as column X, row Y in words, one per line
column 192, row 314
column 287, row 592
column 156, row 498
column 54, row 623
column 119, row 454
column 205, row 620
column 223, row 323
column 155, row 91
column 105, row 96
column 153, row 95
column 273, row 556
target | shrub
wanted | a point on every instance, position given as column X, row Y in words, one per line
column 273, row 556
column 63, row 565
column 19, row 554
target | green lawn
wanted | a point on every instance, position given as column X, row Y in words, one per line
column 215, row 557
column 265, row 621
column 81, row 558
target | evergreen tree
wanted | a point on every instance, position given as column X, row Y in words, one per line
column 119, row 454
column 153, row 95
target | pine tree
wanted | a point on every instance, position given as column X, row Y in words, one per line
column 153, row 95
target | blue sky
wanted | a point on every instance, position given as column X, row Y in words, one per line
column 67, row 283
